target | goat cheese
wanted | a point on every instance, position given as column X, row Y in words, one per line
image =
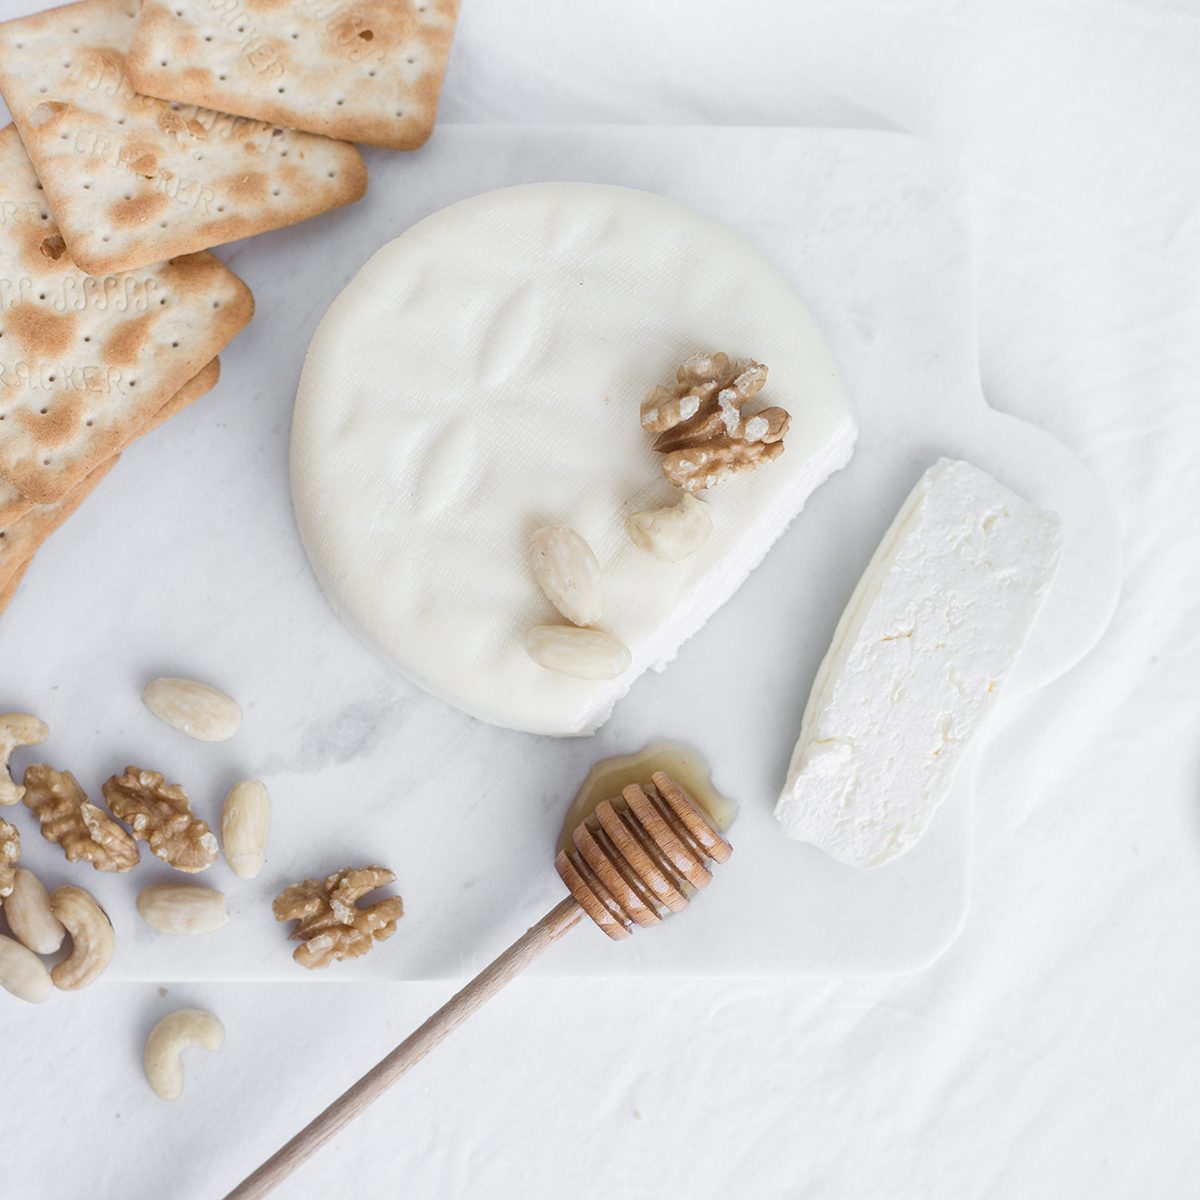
column 482, row 377
column 917, row 660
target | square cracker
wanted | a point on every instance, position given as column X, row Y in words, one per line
column 132, row 180
column 15, row 504
column 365, row 70
column 86, row 361
column 21, row 539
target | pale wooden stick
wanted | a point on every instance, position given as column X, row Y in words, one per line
column 410, row 1052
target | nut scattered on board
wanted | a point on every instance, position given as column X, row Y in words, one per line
column 160, row 814
column 673, row 532
column 30, row 916
column 92, row 938
column 703, row 431
column 331, row 924
column 182, row 908
column 17, row 729
column 582, row 653
column 245, row 821
column 163, row 1056
column 567, row 571
column 22, row 973
column 10, row 854
column 85, row 832
column 202, row 712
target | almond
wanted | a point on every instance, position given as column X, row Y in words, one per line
column 583, row 653
column 182, row 908
column 567, row 571
column 245, row 820
column 193, row 708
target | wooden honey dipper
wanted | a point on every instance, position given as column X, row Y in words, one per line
column 636, row 859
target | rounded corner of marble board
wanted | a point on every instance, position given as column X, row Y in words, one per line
column 1085, row 591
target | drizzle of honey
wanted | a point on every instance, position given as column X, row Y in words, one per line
column 607, row 779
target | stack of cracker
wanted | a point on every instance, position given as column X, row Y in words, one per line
column 88, row 363
column 146, row 136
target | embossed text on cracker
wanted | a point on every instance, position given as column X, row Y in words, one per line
column 74, row 293
column 355, row 40
column 188, row 192
column 259, row 52
column 17, row 212
column 324, row 10
column 61, row 377
column 101, row 72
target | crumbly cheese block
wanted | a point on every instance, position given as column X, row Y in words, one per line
column 482, row 376
column 923, row 649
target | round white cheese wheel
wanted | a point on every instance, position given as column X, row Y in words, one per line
column 482, row 376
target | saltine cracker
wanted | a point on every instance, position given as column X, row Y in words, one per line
column 365, row 70
column 87, row 361
column 15, row 504
column 132, row 180
column 21, row 539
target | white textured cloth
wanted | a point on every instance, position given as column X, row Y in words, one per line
column 1053, row 1051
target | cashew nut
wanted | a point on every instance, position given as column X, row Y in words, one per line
column 245, row 820
column 182, row 908
column 673, row 532
column 17, row 729
column 22, row 973
column 163, row 1058
column 92, row 939
column 29, row 914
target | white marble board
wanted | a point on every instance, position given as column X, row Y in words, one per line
column 186, row 561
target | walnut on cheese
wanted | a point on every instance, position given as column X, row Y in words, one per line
column 704, row 433
column 17, row 729
column 85, row 832
column 331, row 923
column 160, row 814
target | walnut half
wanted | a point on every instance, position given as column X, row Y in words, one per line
column 160, row 814
column 331, row 924
column 703, row 430
column 85, row 832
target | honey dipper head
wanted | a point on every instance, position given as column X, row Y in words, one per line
column 640, row 856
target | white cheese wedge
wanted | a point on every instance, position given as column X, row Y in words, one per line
column 918, row 658
column 481, row 377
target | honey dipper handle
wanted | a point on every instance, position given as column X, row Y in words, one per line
column 410, row 1052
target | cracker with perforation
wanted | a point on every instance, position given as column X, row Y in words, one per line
column 365, row 70
column 132, row 180
column 21, row 539
column 87, row 361
column 14, row 505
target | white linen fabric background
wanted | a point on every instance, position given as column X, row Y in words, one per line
column 1054, row 1050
